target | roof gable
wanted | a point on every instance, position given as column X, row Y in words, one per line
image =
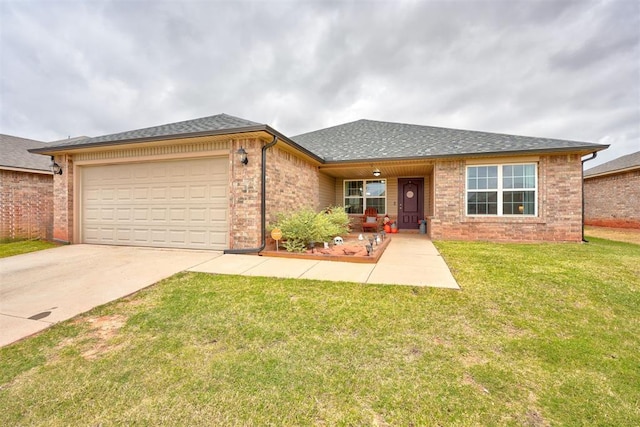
column 630, row 161
column 15, row 154
column 369, row 140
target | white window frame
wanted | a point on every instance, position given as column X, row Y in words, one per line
column 501, row 190
column 364, row 196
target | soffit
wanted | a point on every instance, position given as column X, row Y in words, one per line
column 387, row 169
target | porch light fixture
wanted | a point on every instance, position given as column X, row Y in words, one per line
column 376, row 172
column 55, row 168
column 242, row 156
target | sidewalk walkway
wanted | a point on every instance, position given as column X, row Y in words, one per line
column 410, row 259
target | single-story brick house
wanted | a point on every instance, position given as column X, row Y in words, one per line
column 26, row 190
column 612, row 193
column 183, row 185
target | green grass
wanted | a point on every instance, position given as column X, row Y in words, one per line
column 544, row 334
column 23, row 247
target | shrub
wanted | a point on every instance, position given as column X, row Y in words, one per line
column 305, row 226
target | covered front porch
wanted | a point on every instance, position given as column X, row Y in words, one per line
column 403, row 190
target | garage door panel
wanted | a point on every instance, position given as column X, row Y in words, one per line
column 158, row 193
column 178, row 215
column 123, row 214
column 92, row 214
column 198, row 237
column 107, row 194
column 158, row 214
column 123, row 194
column 217, row 215
column 176, row 204
column 218, row 237
column 178, row 193
column 106, row 214
column 141, row 215
column 124, row 235
column 106, row 234
column 140, row 235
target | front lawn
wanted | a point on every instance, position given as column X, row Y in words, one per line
column 23, row 247
column 540, row 335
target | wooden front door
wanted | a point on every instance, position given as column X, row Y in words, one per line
column 410, row 202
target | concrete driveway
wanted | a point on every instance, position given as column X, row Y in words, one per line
column 41, row 288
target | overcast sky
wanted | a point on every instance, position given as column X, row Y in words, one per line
column 559, row 69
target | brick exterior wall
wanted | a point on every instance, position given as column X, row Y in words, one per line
column 244, row 195
column 292, row 183
column 559, row 206
column 613, row 200
column 63, row 201
column 26, row 205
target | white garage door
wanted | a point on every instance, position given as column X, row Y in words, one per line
column 169, row 204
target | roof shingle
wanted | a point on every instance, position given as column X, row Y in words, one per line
column 621, row 163
column 14, row 153
column 204, row 124
column 361, row 140
column 368, row 139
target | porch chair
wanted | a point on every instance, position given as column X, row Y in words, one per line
column 370, row 220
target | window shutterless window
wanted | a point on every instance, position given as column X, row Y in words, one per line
column 362, row 194
column 502, row 189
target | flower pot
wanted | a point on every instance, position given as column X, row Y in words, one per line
column 387, row 228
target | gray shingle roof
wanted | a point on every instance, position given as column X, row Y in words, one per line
column 621, row 163
column 368, row 139
column 357, row 141
column 14, row 154
column 204, row 124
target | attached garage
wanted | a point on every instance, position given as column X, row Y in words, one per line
column 170, row 204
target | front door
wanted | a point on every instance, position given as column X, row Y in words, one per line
column 410, row 202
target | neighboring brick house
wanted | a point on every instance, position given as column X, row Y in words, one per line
column 183, row 185
column 26, row 190
column 612, row 193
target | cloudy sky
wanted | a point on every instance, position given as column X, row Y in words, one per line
column 559, row 69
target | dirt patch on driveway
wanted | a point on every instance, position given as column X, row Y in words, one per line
column 629, row 235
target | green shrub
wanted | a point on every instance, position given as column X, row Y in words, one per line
column 305, row 226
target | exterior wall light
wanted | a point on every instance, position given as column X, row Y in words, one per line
column 376, row 172
column 242, row 156
column 55, row 168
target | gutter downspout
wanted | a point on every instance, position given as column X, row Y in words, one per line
column 263, row 206
column 593, row 156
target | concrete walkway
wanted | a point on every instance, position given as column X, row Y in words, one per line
column 409, row 259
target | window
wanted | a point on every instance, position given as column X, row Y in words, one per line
column 502, row 190
column 362, row 194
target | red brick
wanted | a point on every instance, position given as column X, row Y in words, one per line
column 26, row 205
column 613, row 200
